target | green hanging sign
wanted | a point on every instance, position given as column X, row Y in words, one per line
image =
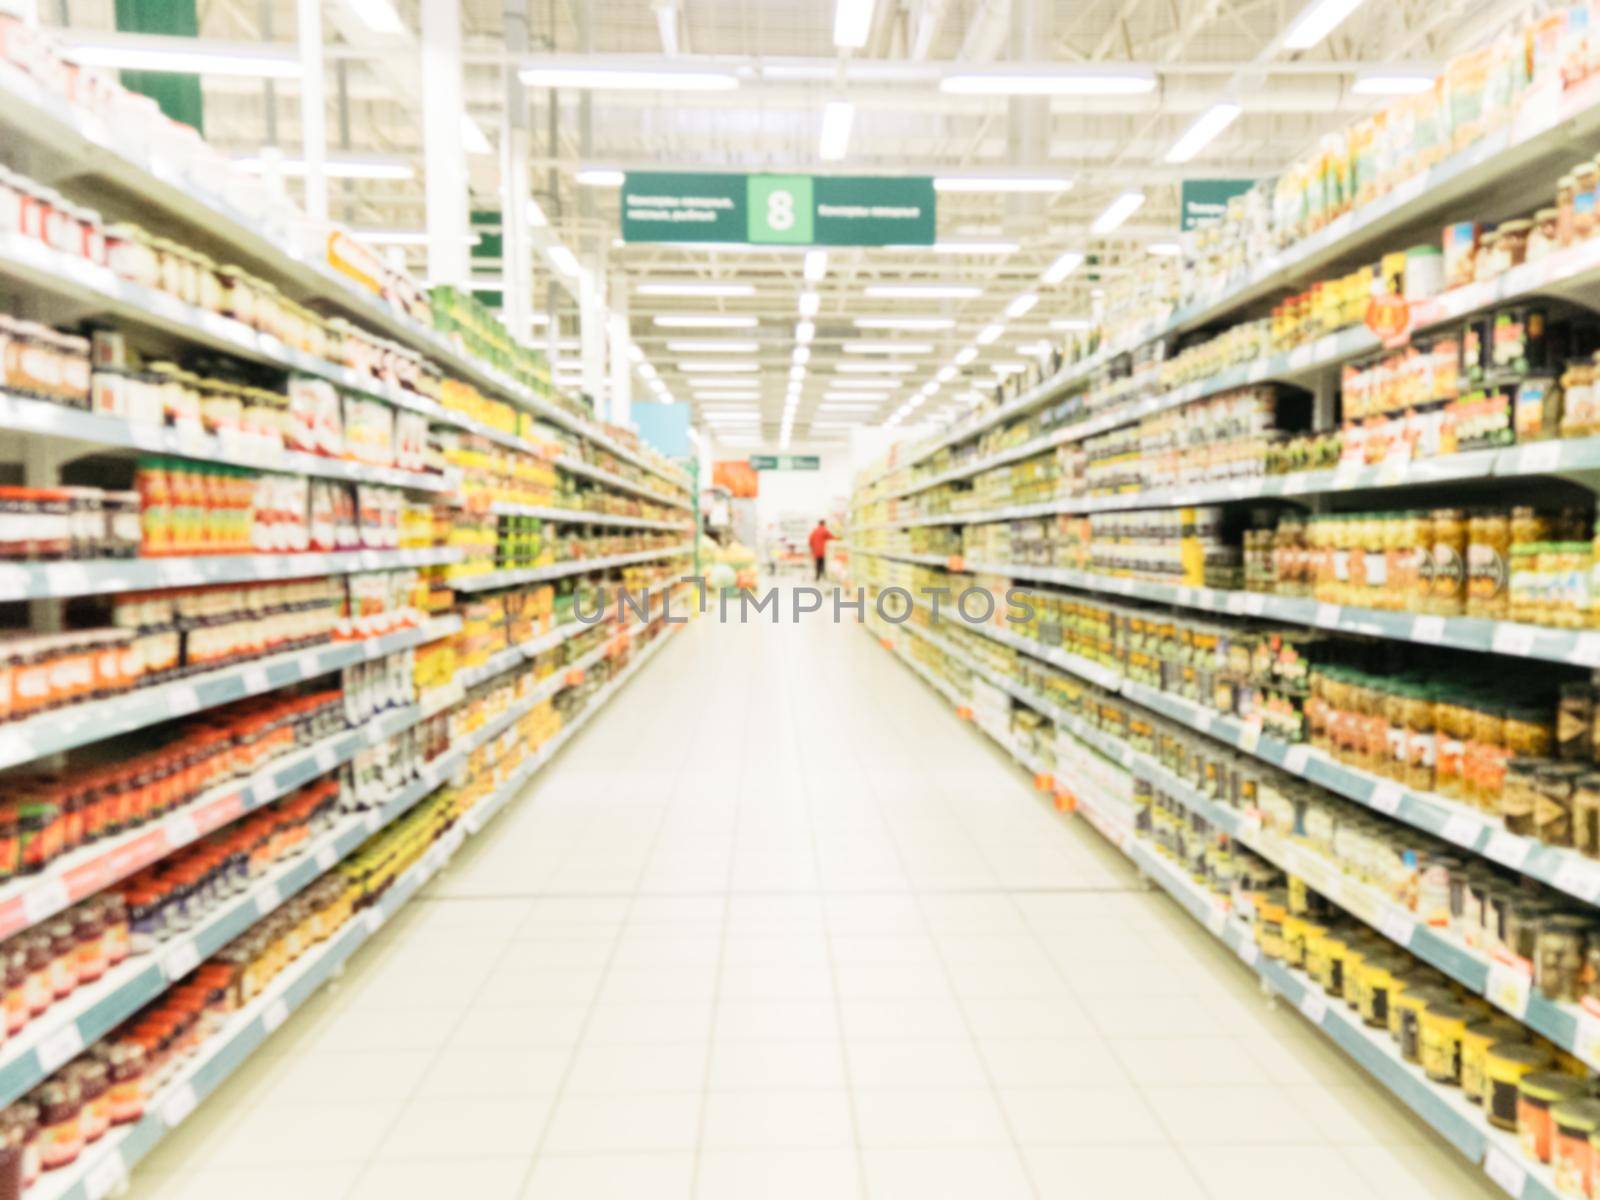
column 778, row 210
column 1206, row 200
column 785, row 462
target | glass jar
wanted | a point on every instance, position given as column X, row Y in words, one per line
column 1586, row 815
column 1562, row 953
column 1449, row 526
column 1488, row 554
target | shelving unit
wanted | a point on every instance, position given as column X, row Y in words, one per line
column 910, row 507
column 191, row 202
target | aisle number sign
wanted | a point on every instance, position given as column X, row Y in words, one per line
column 786, row 462
column 778, row 210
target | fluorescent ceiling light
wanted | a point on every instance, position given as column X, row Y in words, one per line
column 628, row 79
column 797, row 373
column 960, row 247
column 703, row 382
column 377, row 15
column 1001, row 183
column 1165, row 249
column 1072, row 324
column 887, row 347
column 1069, row 262
column 1021, row 306
column 670, row 321
column 853, row 381
column 633, row 352
column 946, row 374
column 722, row 290
column 183, row 56
column 1008, row 368
column 711, row 365
column 910, row 324
column 712, row 346
column 335, row 166
column 801, row 355
column 473, row 140
column 563, row 260
column 870, row 368
column 923, row 291
column 852, row 22
column 852, row 401
column 1316, row 21
column 607, row 177
column 810, row 302
column 836, row 424
column 837, row 118
column 816, row 265
column 536, row 217
column 930, row 388
column 1067, row 81
column 1394, row 82
column 1205, row 127
column 965, row 355
column 989, row 334
column 1118, row 211
column 804, row 331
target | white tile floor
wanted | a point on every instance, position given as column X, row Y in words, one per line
column 778, row 926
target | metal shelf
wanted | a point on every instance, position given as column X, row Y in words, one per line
column 81, row 724
column 499, row 579
column 1461, row 1124
column 1540, row 137
column 193, row 199
column 574, row 466
column 1510, row 638
column 578, row 516
column 103, row 1168
column 93, row 577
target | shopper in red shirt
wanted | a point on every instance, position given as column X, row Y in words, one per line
column 820, row 537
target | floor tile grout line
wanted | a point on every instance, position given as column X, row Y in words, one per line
column 863, row 1186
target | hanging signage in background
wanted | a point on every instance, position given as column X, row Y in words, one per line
column 1207, row 199
column 786, row 462
column 778, row 210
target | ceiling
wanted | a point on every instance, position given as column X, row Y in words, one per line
column 1201, row 50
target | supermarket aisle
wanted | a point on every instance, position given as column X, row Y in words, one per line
column 778, row 927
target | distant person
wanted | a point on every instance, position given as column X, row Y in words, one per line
column 820, row 537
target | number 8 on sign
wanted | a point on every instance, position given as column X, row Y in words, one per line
column 780, row 209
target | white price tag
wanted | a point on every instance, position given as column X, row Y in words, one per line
column 1428, row 630
column 326, row 857
column 277, row 1013
column 180, row 960
column 105, row 1176
column 310, row 664
column 1385, row 798
column 44, row 899
column 255, row 680
column 59, row 1047
column 1506, row 847
column 1250, row 952
column 1203, row 720
column 1217, row 919
column 1541, row 456
column 1397, row 926
column 1463, row 829
column 1255, row 604
column 1249, row 738
column 1586, row 650
column 1509, row 988
column 1314, row 1006
column 181, row 829
column 1512, row 639
column 374, row 920
column 1327, row 616
column 181, row 700
column 1577, row 877
column 175, row 1109
column 1508, row 1174
column 1586, row 1041
column 326, row 759
column 374, row 821
column 1295, row 760
column 267, row 898
column 1235, row 603
column 67, row 579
